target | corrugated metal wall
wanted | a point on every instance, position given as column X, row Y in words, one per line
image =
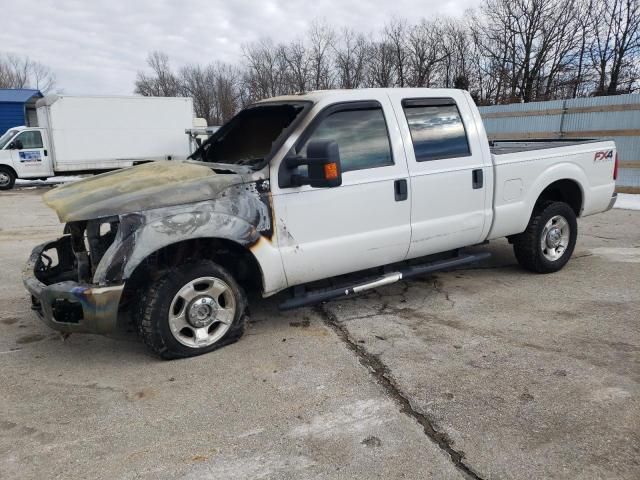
column 615, row 118
column 11, row 115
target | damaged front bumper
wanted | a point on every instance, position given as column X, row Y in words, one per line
column 62, row 303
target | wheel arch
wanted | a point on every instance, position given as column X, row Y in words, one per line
column 564, row 189
column 567, row 190
column 550, row 185
column 11, row 170
column 236, row 258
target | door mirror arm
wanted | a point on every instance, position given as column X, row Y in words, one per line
column 323, row 167
column 292, row 163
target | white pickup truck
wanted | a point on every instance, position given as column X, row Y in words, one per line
column 298, row 191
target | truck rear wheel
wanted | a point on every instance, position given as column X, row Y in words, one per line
column 192, row 309
column 548, row 242
column 7, row 178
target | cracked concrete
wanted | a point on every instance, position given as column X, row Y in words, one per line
column 528, row 376
column 489, row 372
column 386, row 380
column 288, row 401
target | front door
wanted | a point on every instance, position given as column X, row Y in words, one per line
column 450, row 176
column 29, row 155
column 365, row 222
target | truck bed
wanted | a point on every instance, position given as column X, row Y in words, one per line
column 501, row 147
column 522, row 169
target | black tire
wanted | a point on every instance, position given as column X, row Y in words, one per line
column 4, row 173
column 154, row 305
column 527, row 245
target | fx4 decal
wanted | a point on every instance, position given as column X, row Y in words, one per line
column 603, row 156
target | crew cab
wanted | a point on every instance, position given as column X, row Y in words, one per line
column 327, row 194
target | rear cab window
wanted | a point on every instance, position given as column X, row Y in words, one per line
column 437, row 130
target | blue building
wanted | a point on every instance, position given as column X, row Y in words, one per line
column 18, row 107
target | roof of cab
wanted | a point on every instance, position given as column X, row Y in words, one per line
column 316, row 95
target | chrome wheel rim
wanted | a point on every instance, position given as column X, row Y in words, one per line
column 4, row 179
column 555, row 238
column 202, row 312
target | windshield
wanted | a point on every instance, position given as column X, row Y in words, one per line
column 8, row 135
column 249, row 137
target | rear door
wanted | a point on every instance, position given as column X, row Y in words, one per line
column 450, row 199
column 32, row 159
column 365, row 222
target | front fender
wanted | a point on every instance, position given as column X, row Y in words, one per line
column 245, row 221
column 188, row 226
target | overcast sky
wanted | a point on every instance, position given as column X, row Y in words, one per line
column 97, row 46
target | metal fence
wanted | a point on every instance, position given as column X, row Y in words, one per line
column 612, row 118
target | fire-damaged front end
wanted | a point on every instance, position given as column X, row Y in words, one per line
column 59, row 277
column 117, row 221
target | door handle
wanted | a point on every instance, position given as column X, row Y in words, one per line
column 45, row 153
column 477, row 178
column 400, row 189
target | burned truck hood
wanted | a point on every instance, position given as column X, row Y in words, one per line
column 136, row 189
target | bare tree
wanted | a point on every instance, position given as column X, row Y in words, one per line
column 216, row 88
column 227, row 93
column 395, row 36
column 382, row 65
column 199, row 83
column 321, row 38
column 351, row 54
column 583, row 20
column 504, row 51
column 529, row 40
column 266, row 74
column 296, row 56
column 425, row 50
column 559, row 67
column 616, row 25
column 162, row 82
column 22, row 72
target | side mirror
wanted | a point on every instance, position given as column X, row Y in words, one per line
column 323, row 166
column 16, row 145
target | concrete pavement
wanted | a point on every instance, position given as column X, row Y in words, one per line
column 484, row 373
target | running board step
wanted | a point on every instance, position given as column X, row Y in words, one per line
column 317, row 296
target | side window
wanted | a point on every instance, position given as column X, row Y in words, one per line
column 31, row 139
column 437, row 130
column 362, row 137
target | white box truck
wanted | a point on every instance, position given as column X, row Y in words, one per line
column 80, row 134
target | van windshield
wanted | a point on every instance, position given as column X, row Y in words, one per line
column 8, row 135
column 251, row 135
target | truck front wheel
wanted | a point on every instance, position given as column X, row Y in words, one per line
column 192, row 309
column 7, row 178
column 548, row 242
